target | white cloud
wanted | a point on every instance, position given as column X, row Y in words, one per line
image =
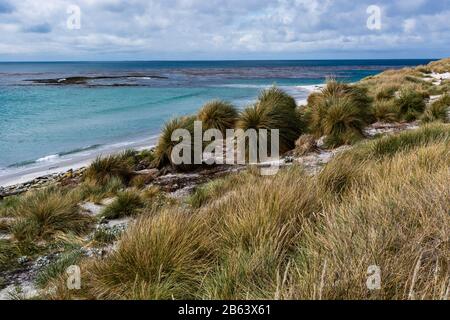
column 185, row 28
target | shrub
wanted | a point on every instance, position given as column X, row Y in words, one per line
column 126, row 204
column 274, row 110
column 438, row 110
column 385, row 111
column 411, row 104
column 219, row 115
column 113, row 166
column 43, row 214
column 163, row 151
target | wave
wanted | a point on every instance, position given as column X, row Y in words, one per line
column 53, row 157
column 78, row 150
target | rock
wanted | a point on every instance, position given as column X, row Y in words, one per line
column 321, row 142
column 305, row 144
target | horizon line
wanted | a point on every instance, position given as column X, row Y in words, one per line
column 213, row 60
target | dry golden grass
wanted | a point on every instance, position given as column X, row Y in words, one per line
column 293, row 236
column 45, row 214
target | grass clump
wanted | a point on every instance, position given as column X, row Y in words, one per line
column 274, row 110
column 114, row 166
column 92, row 191
column 385, row 111
column 127, row 204
column 163, row 151
column 8, row 255
column 43, row 214
column 347, row 170
column 339, row 112
column 160, row 257
column 438, row 110
column 218, row 115
column 411, row 104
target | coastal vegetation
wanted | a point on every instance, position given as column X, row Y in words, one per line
column 274, row 110
column 383, row 200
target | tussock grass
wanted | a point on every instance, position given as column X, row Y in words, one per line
column 128, row 203
column 347, row 170
column 440, row 66
column 92, row 191
column 386, row 91
column 386, row 111
column 397, row 218
column 7, row 204
column 163, row 151
column 411, row 104
column 438, row 110
column 290, row 237
column 43, row 214
column 340, row 112
column 219, row 115
column 8, row 255
column 274, row 110
column 161, row 257
column 114, row 166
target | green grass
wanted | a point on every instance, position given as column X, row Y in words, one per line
column 8, row 255
column 44, row 214
column 438, row 110
column 7, row 204
column 411, row 104
column 128, row 203
column 218, row 115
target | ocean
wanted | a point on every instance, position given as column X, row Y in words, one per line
column 54, row 114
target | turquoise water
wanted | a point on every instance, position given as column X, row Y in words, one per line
column 121, row 102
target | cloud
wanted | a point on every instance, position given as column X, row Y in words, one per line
column 217, row 29
column 6, row 7
column 39, row 28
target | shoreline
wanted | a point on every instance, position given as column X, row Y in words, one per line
column 73, row 162
column 70, row 163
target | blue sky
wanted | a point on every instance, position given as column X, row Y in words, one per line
column 222, row 29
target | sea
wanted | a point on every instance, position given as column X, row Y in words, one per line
column 54, row 115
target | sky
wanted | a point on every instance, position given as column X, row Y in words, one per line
column 52, row 30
